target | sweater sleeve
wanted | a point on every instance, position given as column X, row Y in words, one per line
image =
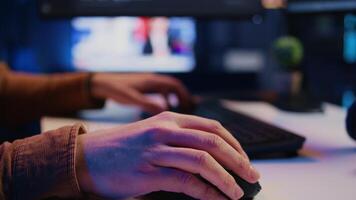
column 41, row 167
column 25, row 97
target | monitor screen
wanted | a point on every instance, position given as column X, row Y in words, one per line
column 133, row 44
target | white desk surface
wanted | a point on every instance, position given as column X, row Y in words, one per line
column 326, row 169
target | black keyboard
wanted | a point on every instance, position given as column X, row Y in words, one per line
column 258, row 138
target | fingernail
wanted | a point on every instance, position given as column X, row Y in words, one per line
column 254, row 174
column 239, row 193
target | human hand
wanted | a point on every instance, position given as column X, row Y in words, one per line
column 130, row 89
column 163, row 153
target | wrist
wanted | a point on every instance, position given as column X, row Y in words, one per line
column 81, row 168
column 94, row 86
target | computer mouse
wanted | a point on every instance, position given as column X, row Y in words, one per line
column 351, row 121
column 250, row 190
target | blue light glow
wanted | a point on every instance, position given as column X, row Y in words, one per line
column 350, row 38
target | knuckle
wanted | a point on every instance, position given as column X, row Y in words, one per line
column 229, row 181
column 185, row 179
column 153, row 154
column 209, row 193
column 202, row 158
column 146, row 168
column 148, row 156
column 157, row 132
column 242, row 165
column 166, row 115
column 215, row 125
column 238, row 144
column 214, row 141
column 154, row 158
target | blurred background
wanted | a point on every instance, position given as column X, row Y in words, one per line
column 222, row 53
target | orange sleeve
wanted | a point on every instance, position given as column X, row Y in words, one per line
column 26, row 97
column 41, row 167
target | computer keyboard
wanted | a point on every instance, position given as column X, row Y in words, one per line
column 259, row 139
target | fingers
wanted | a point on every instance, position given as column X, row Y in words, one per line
column 215, row 146
column 172, row 180
column 211, row 126
column 165, row 84
column 197, row 162
column 135, row 98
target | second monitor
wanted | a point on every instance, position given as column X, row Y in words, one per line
column 133, row 44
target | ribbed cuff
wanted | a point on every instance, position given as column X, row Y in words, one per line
column 44, row 165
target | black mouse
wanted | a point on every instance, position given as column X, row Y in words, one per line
column 250, row 190
column 351, row 121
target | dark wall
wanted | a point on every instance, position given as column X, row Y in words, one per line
column 29, row 43
column 328, row 75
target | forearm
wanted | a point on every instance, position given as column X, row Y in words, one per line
column 25, row 97
column 41, row 167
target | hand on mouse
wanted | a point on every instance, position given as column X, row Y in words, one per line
column 162, row 153
column 130, row 89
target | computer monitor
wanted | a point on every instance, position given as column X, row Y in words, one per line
column 70, row 8
column 320, row 6
column 133, row 44
column 193, row 50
